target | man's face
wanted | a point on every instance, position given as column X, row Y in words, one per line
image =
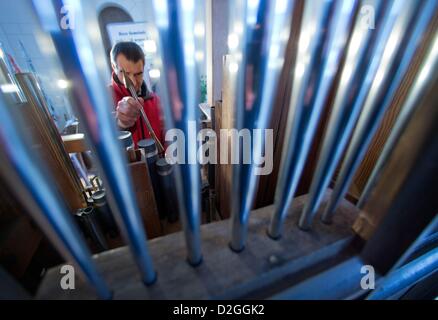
column 133, row 70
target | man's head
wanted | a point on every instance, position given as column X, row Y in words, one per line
column 128, row 56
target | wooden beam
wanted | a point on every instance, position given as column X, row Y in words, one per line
column 75, row 143
column 263, row 268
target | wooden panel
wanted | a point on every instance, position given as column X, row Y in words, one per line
column 264, row 267
column 267, row 184
column 217, row 167
column 19, row 237
column 145, row 198
column 391, row 114
column 224, row 120
column 66, row 180
column 409, row 151
column 404, row 200
column 75, row 143
column 281, row 106
column 19, row 241
column 47, row 140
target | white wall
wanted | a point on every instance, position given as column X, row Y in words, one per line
column 19, row 23
column 219, row 44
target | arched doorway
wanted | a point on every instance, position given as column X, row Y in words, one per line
column 108, row 15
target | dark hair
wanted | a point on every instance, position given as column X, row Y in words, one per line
column 130, row 50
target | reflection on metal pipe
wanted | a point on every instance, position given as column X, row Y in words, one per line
column 406, row 276
column 80, row 169
column 397, row 55
column 422, row 83
column 345, row 110
column 417, row 243
column 324, row 34
column 264, row 33
column 81, row 60
column 175, row 21
column 241, row 17
column 32, row 186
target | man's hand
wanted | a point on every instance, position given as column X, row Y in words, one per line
column 128, row 111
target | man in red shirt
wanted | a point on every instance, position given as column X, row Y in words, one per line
column 129, row 57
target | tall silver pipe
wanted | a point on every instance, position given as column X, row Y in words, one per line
column 175, row 21
column 428, row 70
column 324, row 33
column 405, row 36
column 406, row 276
column 345, row 110
column 32, row 184
column 241, row 17
column 265, row 39
column 433, row 225
column 82, row 61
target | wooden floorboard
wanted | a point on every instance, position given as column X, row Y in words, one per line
column 223, row 273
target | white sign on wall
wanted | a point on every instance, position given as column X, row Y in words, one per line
column 137, row 32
